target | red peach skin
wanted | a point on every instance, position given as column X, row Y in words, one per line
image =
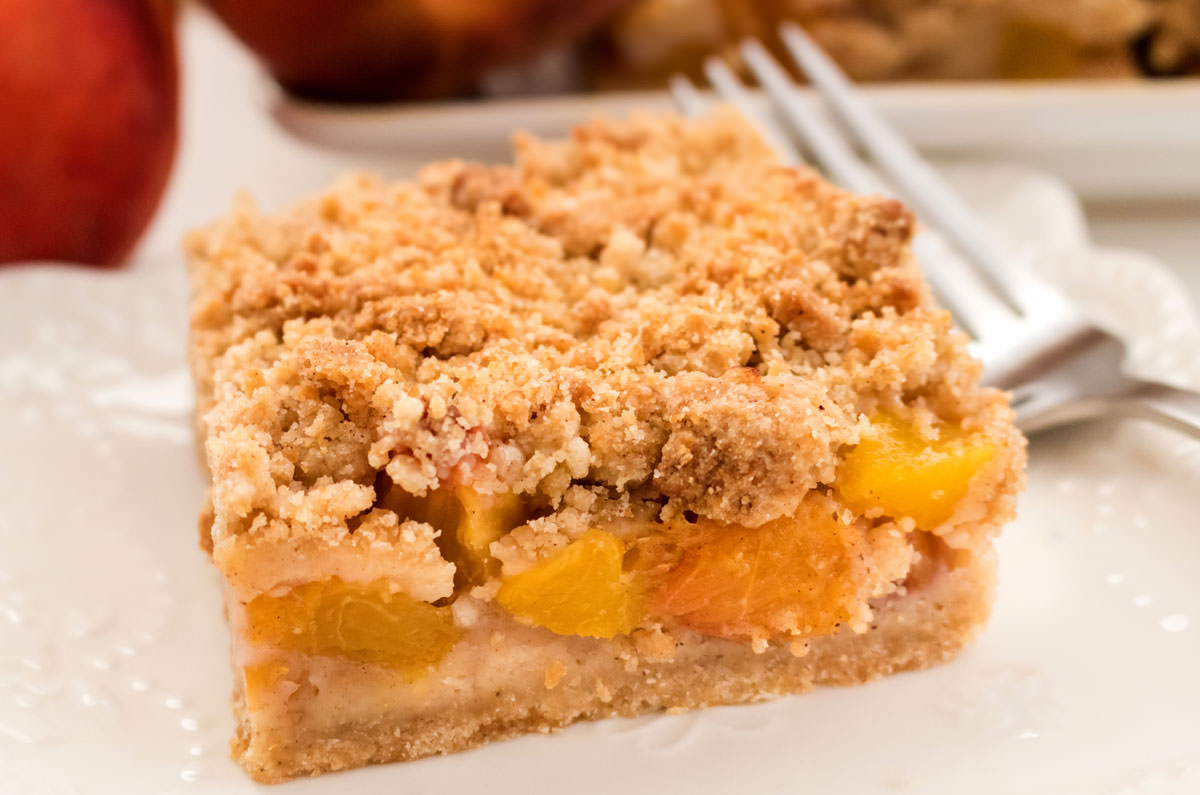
column 88, row 125
column 399, row 49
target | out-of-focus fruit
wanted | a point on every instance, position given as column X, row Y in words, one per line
column 364, row 623
column 796, row 577
column 1030, row 50
column 580, row 590
column 390, row 49
column 895, row 469
column 88, row 117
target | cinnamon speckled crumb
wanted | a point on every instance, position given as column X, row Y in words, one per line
column 654, row 306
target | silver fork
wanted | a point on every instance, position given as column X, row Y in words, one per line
column 1060, row 367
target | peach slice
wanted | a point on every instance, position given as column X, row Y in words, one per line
column 795, row 577
column 364, row 623
column 580, row 590
column 896, row 470
column 469, row 522
column 484, row 518
column 259, row 680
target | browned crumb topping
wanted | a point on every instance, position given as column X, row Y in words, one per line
column 646, row 319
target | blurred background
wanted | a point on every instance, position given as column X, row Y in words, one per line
column 387, row 49
column 125, row 123
column 1104, row 93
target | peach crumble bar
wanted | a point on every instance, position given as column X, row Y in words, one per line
column 643, row 421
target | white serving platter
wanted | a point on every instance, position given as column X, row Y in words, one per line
column 114, row 673
column 1107, row 139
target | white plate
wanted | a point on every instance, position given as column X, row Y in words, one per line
column 114, row 672
column 1108, row 139
column 114, row 675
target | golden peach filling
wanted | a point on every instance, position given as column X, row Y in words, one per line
column 580, row 590
column 364, row 623
column 796, row 577
column 468, row 521
column 896, row 470
column 261, row 680
column 792, row 578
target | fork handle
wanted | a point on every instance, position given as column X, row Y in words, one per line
column 1168, row 405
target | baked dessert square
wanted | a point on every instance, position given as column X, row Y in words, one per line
column 644, row 421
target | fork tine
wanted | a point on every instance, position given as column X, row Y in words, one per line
column 959, row 289
column 823, row 142
column 923, row 186
column 687, row 98
column 730, row 89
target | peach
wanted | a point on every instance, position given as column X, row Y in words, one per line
column 389, row 49
column 580, row 590
column 795, row 577
column 364, row 623
column 259, row 681
column 88, row 119
column 467, row 522
column 895, row 470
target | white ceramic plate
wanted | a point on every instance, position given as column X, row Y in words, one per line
column 1108, row 139
column 114, row 675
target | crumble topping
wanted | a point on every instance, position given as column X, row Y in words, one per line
column 652, row 316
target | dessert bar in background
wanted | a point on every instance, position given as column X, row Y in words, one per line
column 911, row 39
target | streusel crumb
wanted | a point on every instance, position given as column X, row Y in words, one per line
column 655, row 306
